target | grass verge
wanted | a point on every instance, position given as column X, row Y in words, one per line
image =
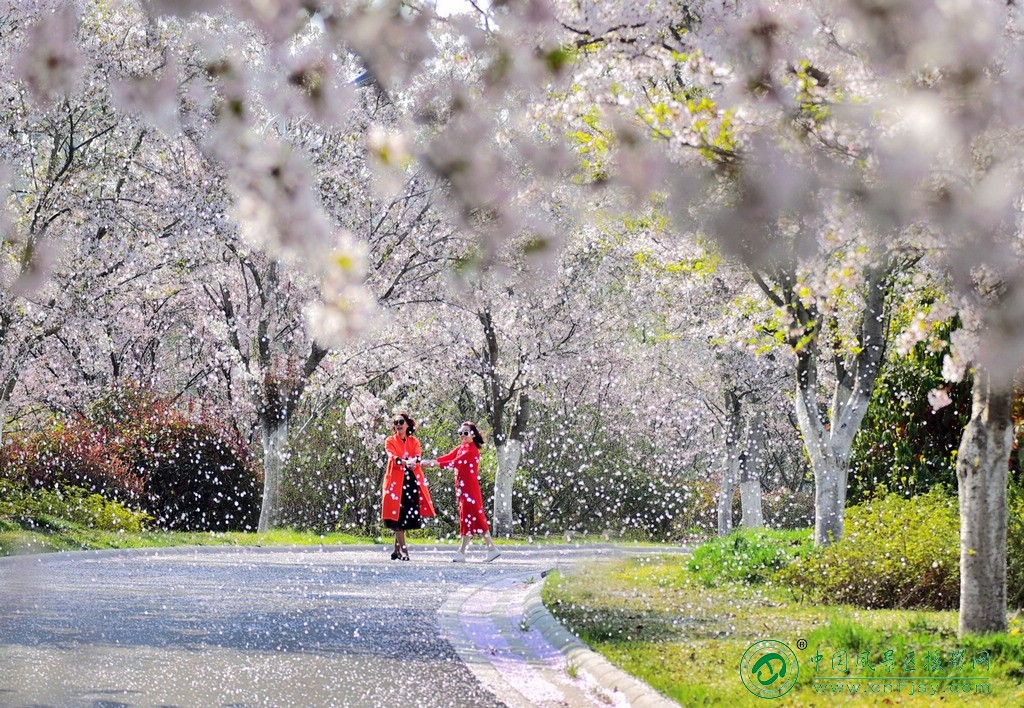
column 61, row 535
column 15, row 540
column 660, row 621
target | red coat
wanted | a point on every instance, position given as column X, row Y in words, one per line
column 465, row 460
column 394, row 475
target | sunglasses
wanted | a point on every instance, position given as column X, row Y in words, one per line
column 465, row 432
column 400, row 421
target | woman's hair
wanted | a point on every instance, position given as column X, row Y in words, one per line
column 410, row 424
column 478, row 437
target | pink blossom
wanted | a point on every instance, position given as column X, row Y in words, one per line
column 938, row 398
column 50, row 63
column 155, row 97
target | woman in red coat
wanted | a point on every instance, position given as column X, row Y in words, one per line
column 406, row 496
column 465, row 460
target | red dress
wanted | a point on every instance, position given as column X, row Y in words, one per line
column 465, row 460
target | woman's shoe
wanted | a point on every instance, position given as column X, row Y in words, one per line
column 492, row 554
column 396, row 556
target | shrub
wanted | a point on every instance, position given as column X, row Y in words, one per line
column 197, row 476
column 701, row 511
column 1015, row 548
column 896, row 553
column 786, row 509
column 610, row 487
column 904, row 445
column 629, row 501
column 71, row 453
column 782, row 509
column 32, row 507
column 190, row 474
column 119, row 408
column 332, row 482
column 750, row 556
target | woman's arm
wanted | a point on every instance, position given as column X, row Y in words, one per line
column 392, row 448
column 415, row 452
column 447, row 460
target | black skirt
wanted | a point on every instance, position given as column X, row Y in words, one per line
column 409, row 515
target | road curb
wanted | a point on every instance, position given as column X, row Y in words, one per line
column 451, row 616
column 489, row 628
column 578, row 654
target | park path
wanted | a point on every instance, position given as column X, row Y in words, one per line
column 332, row 626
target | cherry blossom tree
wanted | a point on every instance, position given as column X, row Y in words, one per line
column 786, row 257
column 820, row 143
column 936, row 179
column 87, row 223
column 730, row 361
column 516, row 337
column 248, row 305
column 885, row 117
column 262, row 304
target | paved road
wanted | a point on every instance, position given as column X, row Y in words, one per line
column 246, row 627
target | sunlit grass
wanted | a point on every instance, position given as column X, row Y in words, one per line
column 583, row 539
column 69, row 537
column 654, row 618
column 431, row 536
column 62, row 535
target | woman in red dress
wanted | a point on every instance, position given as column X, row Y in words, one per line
column 406, row 498
column 465, row 460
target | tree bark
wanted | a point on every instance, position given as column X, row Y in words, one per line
column 510, row 452
column 828, row 445
column 731, row 463
column 509, row 455
column 509, row 447
column 750, row 474
column 275, row 453
column 828, row 449
column 982, row 466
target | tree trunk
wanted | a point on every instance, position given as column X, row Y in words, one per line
column 830, row 461
column 750, row 474
column 982, row 465
column 5, row 400
column 275, row 452
column 731, row 463
column 828, row 447
column 509, row 455
column 830, row 457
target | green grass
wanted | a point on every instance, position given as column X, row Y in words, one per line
column 750, row 556
column 70, row 537
column 62, row 535
column 35, row 520
column 575, row 538
column 658, row 619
